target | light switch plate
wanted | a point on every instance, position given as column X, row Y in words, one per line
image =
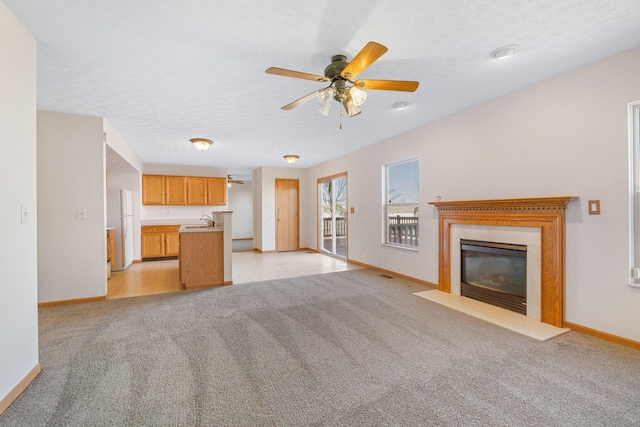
column 24, row 214
column 82, row 213
column 594, row 207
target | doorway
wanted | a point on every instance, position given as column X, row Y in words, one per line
column 332, row 230
column 287, row 215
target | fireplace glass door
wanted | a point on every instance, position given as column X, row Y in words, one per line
column 495, row 273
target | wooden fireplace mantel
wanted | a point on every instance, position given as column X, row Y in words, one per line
column 546, row 213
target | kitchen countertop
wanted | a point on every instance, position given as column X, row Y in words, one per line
column 183, row 221
column 198, row 229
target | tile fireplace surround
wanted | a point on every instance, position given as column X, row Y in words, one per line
column 546, row 214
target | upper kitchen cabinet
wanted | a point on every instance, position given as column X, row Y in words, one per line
column 183, row 190
column 176, row 190
column 197, row 190
column 153, row 190
column 216, row 191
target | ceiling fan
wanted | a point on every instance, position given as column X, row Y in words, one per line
column 234, row 181
column 342, row 88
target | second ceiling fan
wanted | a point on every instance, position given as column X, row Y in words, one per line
column 342, row 88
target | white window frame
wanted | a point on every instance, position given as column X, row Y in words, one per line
column 385, row 205
column 634, row 194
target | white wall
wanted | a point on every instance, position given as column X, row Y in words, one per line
column 241, row 203
column 115, row 141
column 71, row 176
column 18, row 253
column 129, row 180
column 265, row 207
column 178, row 213
column 563, row 137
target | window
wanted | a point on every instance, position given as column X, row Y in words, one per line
column 401, row 203
column 634, row 193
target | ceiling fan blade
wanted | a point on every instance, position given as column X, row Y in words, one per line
column 399, row 85
column 363, row 59
column 302, row 100
column 296, row 74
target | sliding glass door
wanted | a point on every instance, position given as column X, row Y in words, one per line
column 333, row 215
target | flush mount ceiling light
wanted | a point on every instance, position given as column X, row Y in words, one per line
column 504, row 51
column 201, row 144
column 400, row 105
column 291, row 158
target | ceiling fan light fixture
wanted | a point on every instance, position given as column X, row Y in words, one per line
column 291, row 158
column 201, row 144
column 325, row 98
column 352, row 110
column 340, row 73
column 357, row 96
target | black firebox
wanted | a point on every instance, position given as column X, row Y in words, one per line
column 494, row 273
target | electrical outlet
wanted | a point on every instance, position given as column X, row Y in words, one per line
column 82, row 213
column 169, row 213
column 401, row 256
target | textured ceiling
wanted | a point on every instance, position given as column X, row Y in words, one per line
column 162, row 72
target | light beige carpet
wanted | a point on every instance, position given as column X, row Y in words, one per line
column 340, row 349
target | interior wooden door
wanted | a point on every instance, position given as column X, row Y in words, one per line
column 287, row 215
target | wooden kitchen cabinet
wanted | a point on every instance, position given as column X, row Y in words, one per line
column 152, row 245
column 153, row 190
column 111, row 245
column 160, row 241
column 183, row 190
column 176, row 190
column 171, row 243
column 201, row 259
column 216, row 191
column 197, row 190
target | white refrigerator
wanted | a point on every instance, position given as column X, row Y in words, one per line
column 120, row 216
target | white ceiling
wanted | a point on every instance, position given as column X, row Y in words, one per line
column 162, row 72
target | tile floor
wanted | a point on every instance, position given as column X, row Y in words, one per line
column 154, row 277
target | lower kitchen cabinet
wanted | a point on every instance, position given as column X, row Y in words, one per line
column 160, row 241
column 172, row 243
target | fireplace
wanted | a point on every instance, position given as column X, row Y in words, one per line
column 546, row 214
column 494, row 273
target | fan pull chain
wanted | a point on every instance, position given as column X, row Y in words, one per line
column 340, row 118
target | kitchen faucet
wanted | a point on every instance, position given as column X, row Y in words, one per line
column 210, row 222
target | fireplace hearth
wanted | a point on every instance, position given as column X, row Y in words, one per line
column 494, row 273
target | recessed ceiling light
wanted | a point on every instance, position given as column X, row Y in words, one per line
column 400, row 105
column 504, row 51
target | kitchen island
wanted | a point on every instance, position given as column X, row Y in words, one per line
column 202, row 256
